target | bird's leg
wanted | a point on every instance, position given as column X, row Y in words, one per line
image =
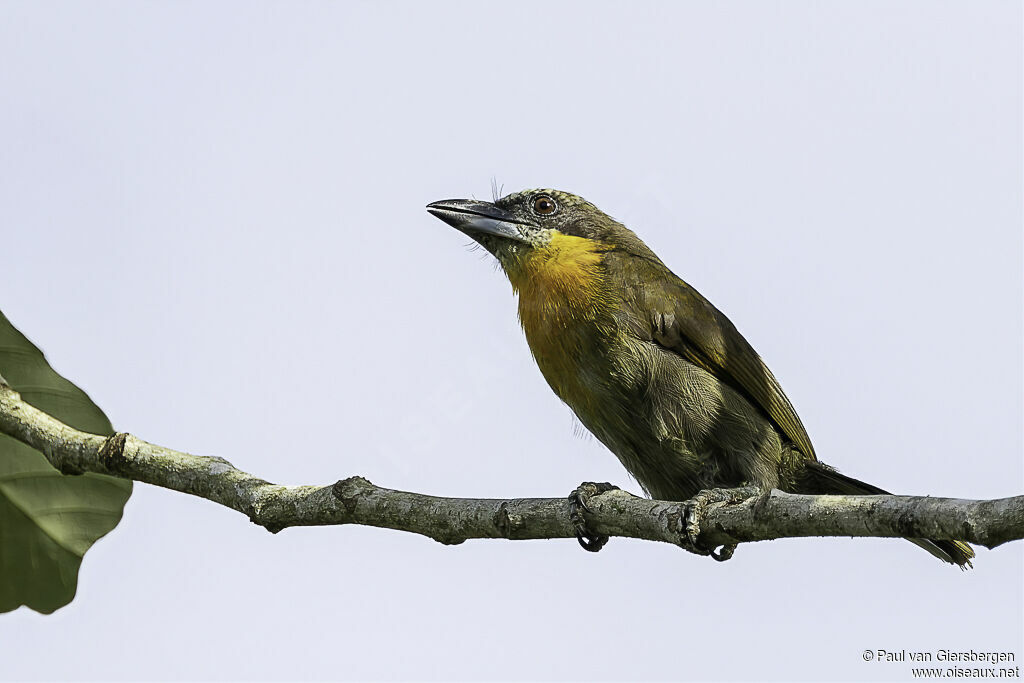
column 696, row 508
column 578, row 505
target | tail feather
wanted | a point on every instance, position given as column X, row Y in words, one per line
column 820, row 478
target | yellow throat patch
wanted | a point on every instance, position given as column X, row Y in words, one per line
column 563, row 301
column 558, row 282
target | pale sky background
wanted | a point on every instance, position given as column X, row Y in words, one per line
column 212, row 219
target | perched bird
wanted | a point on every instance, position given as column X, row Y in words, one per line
column 659, row 375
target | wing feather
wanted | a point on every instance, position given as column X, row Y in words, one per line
column 686, row 323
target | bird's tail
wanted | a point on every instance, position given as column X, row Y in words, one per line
column 820, row 478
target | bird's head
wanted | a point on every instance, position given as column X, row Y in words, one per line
column 523, row 226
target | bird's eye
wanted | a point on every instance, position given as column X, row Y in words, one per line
column 544, row 205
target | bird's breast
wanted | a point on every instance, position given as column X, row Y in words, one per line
column 565, row 307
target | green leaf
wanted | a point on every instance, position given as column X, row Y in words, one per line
column 48, row 520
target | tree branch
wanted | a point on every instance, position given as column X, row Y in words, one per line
column 453, row 520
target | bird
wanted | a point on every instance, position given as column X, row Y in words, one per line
column 649, row 366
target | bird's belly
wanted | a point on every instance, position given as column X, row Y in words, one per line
column 575, row 366
column 675, row 427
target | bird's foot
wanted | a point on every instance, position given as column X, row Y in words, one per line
column 578, row 505
column 696, row 509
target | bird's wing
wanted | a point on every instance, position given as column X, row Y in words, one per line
column 686, row 323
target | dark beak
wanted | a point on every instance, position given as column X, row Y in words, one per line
column 477, row 218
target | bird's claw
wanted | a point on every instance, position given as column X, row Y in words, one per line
column 696, row 509
column 724, row 553
column 588, row 540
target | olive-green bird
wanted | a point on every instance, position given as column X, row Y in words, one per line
column 658, row 374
